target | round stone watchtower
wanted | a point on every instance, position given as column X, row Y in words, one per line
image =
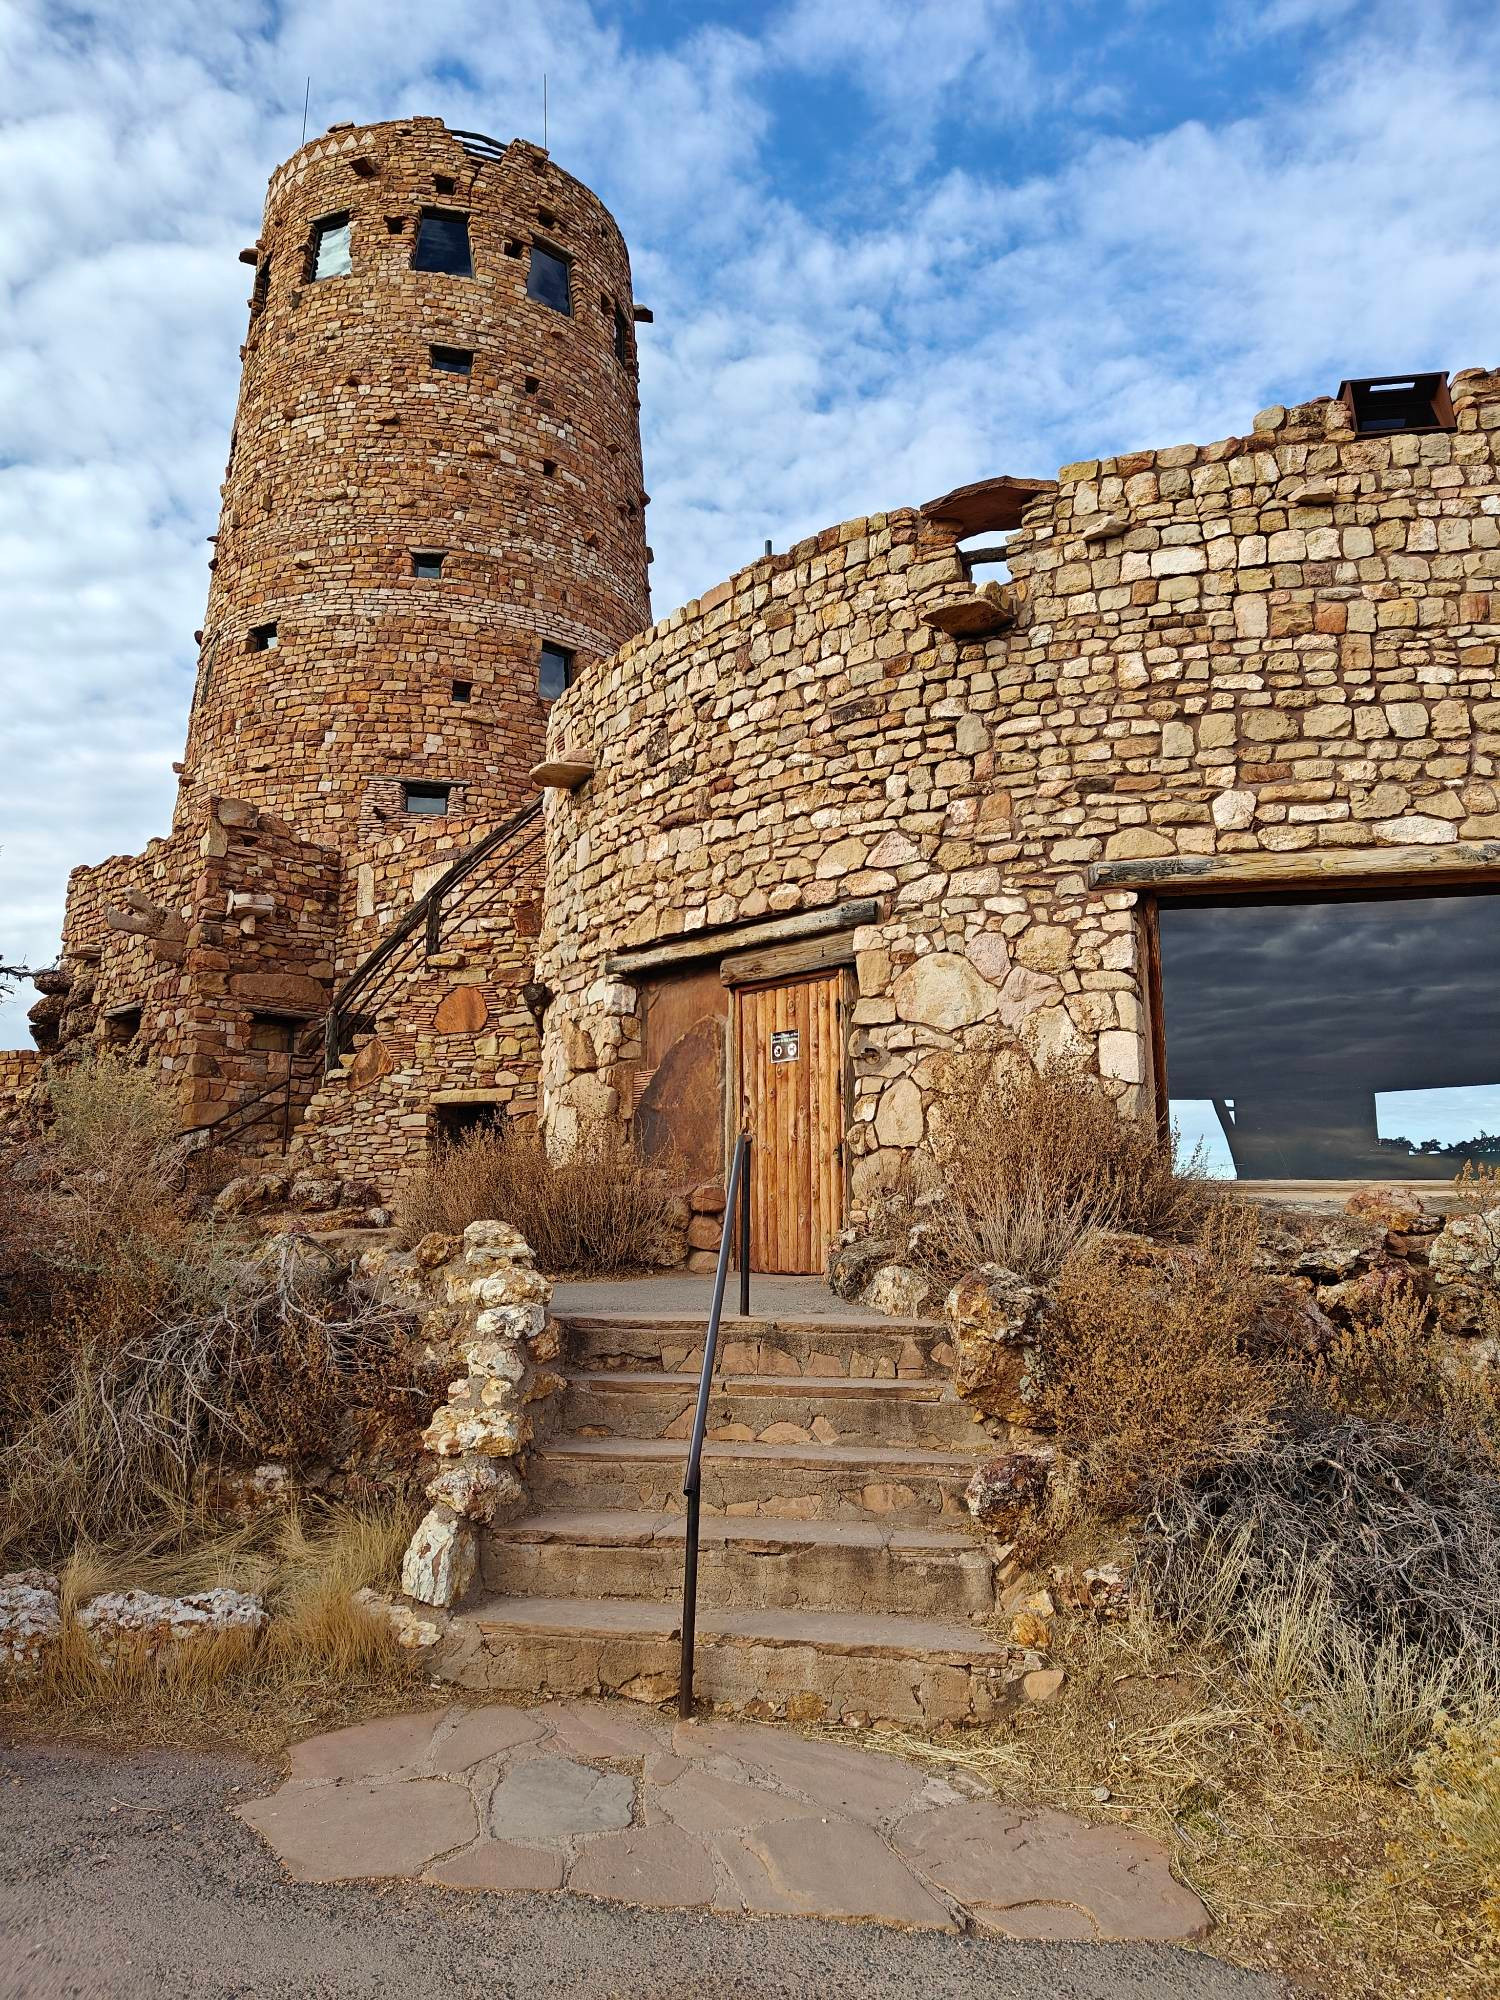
column 433, row 512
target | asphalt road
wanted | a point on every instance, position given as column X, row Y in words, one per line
column 124, row 1875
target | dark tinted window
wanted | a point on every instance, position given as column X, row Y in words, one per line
column 443, row 244
column 556, row 671
column 426, row 562
column 1342, row 1040
column 453, row 360
column 547, row 279
column 622, row 336
column 427, row 799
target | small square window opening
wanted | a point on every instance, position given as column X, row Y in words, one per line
column 263, row 639
column 273, row 1032
column 533, row 383
column 547, row 280
column 431, row 801
column 443, row 244
column 395, row 224
column 549, row 468
column 426, row 562
column 443, row 183
column 555, row 670
column 453, row 360
column 330, row 248
column 463, row 690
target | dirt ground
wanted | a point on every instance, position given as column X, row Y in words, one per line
column 123, row 1875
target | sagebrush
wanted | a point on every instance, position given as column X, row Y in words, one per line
column 598, row 1211
column 1025, row 1163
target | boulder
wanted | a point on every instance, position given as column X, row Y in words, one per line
column 899, row 1291
column 481, row 1490
column 1009, row 1485
column 852, row 1261
column 487, row 1243
column 441, row 1561
column 1393, row 1209
column 434, row 1249
column 314, row 1194
column 414, row 1629
column 299, row 1266
column 123, row 1622
column 30, row 1621
column 1468, row 1248
column 995, row 1316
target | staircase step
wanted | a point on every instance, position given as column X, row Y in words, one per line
column 770, row 1409
column 765, row 1481
column 888, row 1349
column 801, row 1565
column 901, row 1669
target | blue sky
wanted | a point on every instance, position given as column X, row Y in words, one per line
column 891, row 245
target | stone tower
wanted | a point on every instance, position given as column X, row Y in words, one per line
column 435, row 473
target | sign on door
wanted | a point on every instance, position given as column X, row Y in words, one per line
column 786, row 1044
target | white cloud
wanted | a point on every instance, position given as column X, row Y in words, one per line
column 814, row 356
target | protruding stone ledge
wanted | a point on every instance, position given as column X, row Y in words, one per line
column 1343, row 866
column 990, row 610
column 565, row 773
column 986, row 506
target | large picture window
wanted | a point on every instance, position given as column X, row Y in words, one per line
column 1349, row 1039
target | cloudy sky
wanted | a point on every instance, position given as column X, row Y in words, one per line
column 891, row 245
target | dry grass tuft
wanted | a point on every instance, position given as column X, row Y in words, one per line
column 321, row 1660
column 1026, row 1164
column 599, row 1212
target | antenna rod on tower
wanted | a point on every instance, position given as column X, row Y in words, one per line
column 305, row 96
column 544, row 111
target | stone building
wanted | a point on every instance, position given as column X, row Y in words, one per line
column 1182, row 763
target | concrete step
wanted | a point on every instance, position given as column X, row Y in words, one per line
column 835, row 1664
column 799, row 1565
column 770, row 1409
column 882, row 1349
column 822, row 1482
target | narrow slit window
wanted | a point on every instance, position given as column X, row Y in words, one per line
column 443, row 244
column 555, row 671
column 330, row 248
column 430, row 801
column 260, row 293
column 453, row 360
column 622, row 335
column 427, row 563
column 547, row 280
column 463, row 690
column 263, row 639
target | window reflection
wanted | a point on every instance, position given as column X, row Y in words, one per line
column 1341, row 1040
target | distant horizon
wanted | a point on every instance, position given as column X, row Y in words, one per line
column 890, row 248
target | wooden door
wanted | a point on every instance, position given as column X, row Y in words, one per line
column 789, row 1035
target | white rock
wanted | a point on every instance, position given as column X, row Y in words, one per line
column 943, row 990
column 139, row 1620
column 477, row 1491
column 30, row 1620
column 1233, row 811
column 441, row 1560
column 413, row 1630
column 524, row 1322
column 496, row 1242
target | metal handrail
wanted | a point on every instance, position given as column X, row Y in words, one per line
column 425, row 915
column 278, row 1087
column 736, row 1209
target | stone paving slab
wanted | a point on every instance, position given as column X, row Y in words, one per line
column 632, row 1806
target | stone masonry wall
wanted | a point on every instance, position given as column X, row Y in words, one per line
column 1277, row 645
column 351, row 450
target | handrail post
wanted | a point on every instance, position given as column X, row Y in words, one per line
column 693, row 1479
column 745, row 1234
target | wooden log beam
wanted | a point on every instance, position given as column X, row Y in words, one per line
column 1313, row 868
column 726, row 940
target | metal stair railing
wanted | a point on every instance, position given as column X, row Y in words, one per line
column 736, row 1222
column 419, row 930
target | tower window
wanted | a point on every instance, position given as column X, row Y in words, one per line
column 443, row 244
column 463, row 690
column 547, row 280
column 1382, row 404
column 259, row 295
column 330, row 248
column 533, row 383
column 555, row 671
column 395, row 224
column 274, row 1033
column 427, row 562
column 443, row 183
column 431, row 801
column 622, row 336
column 549, row 468
column 263, row 639
column 453, row 360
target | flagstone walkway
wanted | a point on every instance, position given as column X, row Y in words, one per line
column 605, row 1801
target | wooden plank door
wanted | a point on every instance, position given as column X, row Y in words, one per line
column 790, row 1042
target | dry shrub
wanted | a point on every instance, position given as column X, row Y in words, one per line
column 1026, row 1163
column 1457, row 1778
column 1147, row 1376
column 600, row 1211
column 1393, row 1363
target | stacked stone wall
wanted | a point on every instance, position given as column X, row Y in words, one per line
column 351, row 450
column 1277, row 650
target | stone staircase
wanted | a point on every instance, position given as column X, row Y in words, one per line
column 840, row 1575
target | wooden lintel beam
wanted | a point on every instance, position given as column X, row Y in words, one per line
column 1332, row 867
column 702, row 945
column 785, row 961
